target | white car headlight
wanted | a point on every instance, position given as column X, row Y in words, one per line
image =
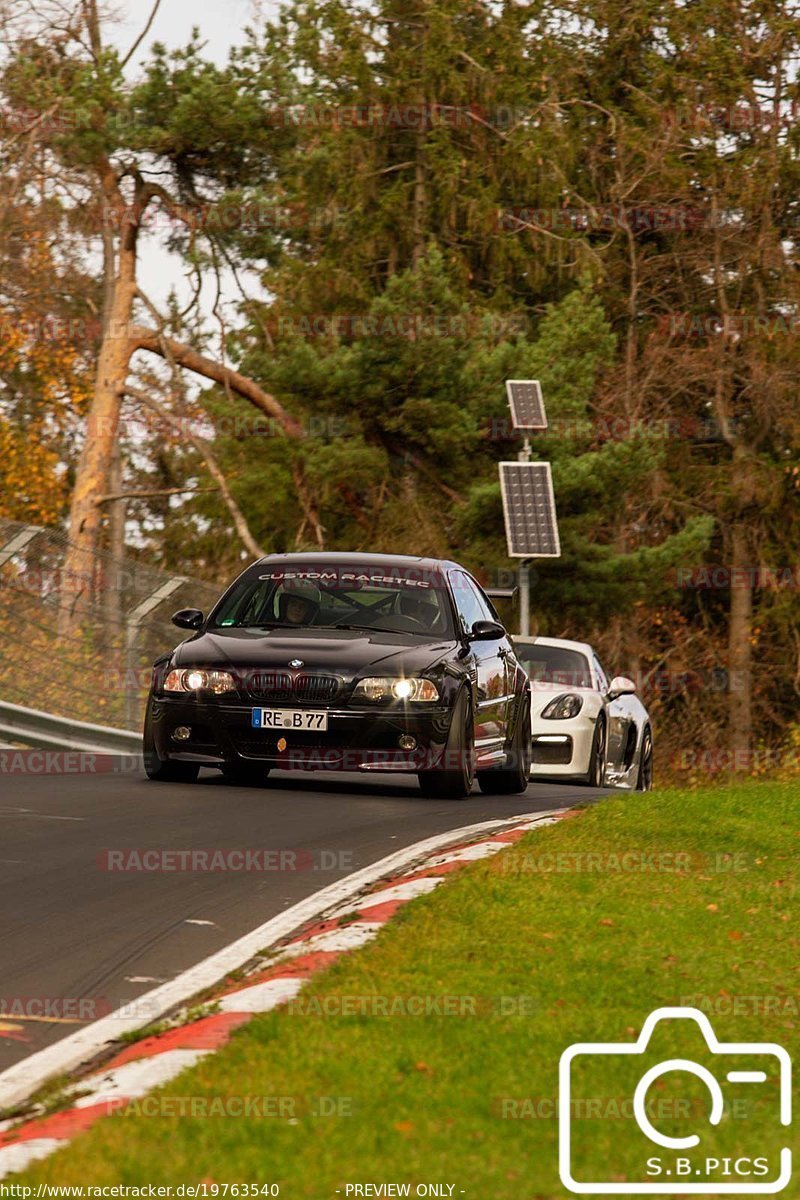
column 382, row 687
column 563, row 708
column 195, row 680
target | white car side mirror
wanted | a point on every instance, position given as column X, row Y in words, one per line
column 621, row 686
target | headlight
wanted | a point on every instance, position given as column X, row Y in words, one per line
column 379, row 687
column 195, row 680
column 563, row 707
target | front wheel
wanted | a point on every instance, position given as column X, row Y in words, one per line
column 454, row 780
column 597, row 762
column 644, row 782
column 514, row 777
column 162, row 769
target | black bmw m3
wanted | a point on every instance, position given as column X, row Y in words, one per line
column 344, row 662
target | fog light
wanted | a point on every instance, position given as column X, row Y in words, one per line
column 407, row 742
column 182, row 733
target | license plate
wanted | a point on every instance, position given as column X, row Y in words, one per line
column 289, row 718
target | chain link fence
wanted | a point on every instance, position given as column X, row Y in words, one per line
column 102, row 673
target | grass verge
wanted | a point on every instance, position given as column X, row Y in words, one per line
column 576, row 933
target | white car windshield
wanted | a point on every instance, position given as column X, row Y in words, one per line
column 555, row 664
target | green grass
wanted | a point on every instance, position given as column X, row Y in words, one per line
column 591, row 951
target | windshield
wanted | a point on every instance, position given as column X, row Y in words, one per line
column 388, row 599
column 555, row 664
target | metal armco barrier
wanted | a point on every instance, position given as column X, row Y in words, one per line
column 29, row 727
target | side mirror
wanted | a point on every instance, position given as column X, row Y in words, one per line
column 188, row 618
column 486, row 631
column 620, row 686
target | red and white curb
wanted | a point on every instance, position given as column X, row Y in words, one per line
column 138, row 1068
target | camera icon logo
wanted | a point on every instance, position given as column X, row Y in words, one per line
column 687, row 1127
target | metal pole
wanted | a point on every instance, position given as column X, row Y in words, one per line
column 524, row 600
column 131, row 633
column 524, row 572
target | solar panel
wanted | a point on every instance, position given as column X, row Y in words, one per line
column 529, row 509
column 527, row 404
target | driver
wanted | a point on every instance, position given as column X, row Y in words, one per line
column 420, row 609
column 298, row 602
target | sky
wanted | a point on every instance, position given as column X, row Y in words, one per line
column 221, row 23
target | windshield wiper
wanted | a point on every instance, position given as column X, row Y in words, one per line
column 368, row 628
column 267, row 625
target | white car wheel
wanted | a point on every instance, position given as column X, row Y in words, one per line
column 597, row 760
column 644, row 782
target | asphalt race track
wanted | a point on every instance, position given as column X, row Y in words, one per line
column 78, row 939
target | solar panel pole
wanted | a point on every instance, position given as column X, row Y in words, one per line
column 524, row 599
column 524, row 567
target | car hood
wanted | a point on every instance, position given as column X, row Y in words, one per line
column 344, row 652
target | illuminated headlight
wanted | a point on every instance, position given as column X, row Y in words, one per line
column 563, row 708
column 384, row 688
column 195, row 680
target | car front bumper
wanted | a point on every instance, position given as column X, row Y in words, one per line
column 561, row 749
column 356, row 739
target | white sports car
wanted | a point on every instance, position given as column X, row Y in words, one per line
column 582, row 726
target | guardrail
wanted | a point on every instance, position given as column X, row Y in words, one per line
column 30, row 727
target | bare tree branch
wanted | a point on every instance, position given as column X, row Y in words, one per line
column 143, row 338
column 214, row 469
column 153, row 494
column 179, row 355
column 142, row 35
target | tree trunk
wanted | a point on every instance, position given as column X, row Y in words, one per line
column 420, row 197
column 94, row 467
column 740, row 652
column 111, row 578
column 121, row 338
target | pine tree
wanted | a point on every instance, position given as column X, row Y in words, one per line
column 692, row 139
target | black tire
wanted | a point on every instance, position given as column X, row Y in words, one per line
column 512, row 779
column 454, row 782
column 597, row 762
column 644, row 781
column 163, row 770
column 244, row 774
